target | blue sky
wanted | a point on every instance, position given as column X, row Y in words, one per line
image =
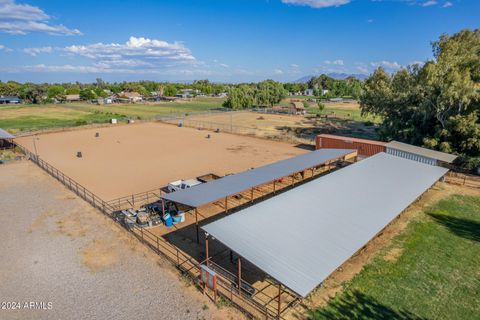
column 220, row 40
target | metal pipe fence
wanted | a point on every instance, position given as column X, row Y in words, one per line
column 181, row 260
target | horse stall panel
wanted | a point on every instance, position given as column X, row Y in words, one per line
column 364, row 147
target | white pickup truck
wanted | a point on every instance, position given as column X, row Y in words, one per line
column 182, row 184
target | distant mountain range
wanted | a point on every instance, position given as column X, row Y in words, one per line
column 334, row 75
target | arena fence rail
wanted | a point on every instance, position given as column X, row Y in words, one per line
column 186, row 264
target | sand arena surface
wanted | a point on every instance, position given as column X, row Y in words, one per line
column 133, row 158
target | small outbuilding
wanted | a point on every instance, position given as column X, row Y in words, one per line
column 72, row 98
column 131, row 96
column 6, row 139
column 296, row 108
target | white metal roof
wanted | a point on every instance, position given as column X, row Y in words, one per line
column 303, row 235
column 236, row 183
column 424, row 152
column 5, row 135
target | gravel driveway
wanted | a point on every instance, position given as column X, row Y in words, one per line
column 73, row 263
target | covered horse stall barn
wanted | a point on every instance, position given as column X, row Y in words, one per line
column 237, row 189
column 301, row 236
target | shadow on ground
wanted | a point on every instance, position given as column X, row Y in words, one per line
column 464, row 228
column 356, row 305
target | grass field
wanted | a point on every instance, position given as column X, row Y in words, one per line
column 35, row 117
column 430, row 271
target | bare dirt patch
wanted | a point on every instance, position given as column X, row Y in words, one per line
column 48, row 263
column 99, row 255
column 393, row 254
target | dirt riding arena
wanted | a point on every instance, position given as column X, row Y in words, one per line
column 133, row 158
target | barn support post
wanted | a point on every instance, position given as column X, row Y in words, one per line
column 251, row 195
column 206, row 249
column 196, row 224
column 239, row 265
column 163, row 207
column 279, row 301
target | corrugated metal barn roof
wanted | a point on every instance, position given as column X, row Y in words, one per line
column 301, row 236
column 437, row 155
column 5, row 135
column 233, row 184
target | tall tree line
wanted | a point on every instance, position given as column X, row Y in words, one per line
column 436, row 105
column 45, row 92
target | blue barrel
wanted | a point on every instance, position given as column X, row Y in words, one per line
column 168, row 220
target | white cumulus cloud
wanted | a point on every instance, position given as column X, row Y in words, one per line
column 317, row 4
column 35, row 51
column 138, row 55
column 4, row 48
column 23, row 18
column 137, row 51
column 429, row 3
column 391, row 65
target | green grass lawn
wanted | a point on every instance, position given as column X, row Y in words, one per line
column 436, row 276
column 35, row 117
column 150, row 111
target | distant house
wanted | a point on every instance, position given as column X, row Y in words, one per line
column 183, row 95
column 10, row 99
column 296, row 108
column 308, row 92
column 325, row 91
column 132, row 96
column 222, row 95
column 72, row 97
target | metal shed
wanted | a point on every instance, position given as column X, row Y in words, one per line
column 6, row 139
column 419, row 154
column 303, row 235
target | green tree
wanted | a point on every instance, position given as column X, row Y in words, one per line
column 241, row 97
column 435, row 105
column 268, row 93
column 170, row 90
column 56, row 92
column 87, row 94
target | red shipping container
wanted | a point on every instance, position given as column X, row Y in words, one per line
column 364, row 147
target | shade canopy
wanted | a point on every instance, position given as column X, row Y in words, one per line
column 233, row 184
column 301, row 236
